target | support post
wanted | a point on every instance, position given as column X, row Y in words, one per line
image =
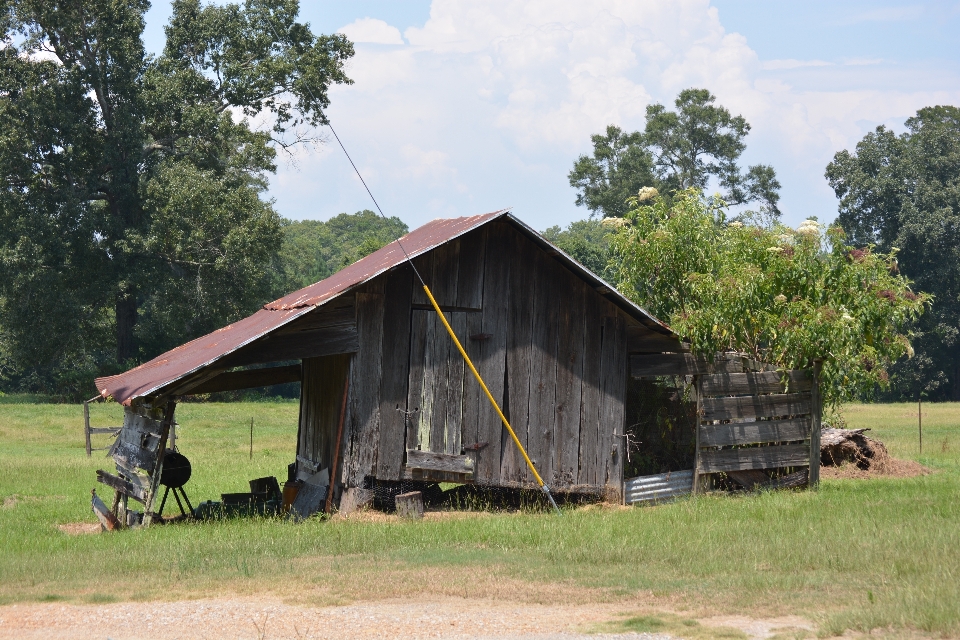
column 695, row 489
column 813, row 478
column 86, row 426
column 148, row 514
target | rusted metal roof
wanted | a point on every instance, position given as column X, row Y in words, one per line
column 163, row 372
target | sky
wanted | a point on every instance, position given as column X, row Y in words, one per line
column 461, row 107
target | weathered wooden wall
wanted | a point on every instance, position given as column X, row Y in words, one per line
column 552, row 350
column 321, row 398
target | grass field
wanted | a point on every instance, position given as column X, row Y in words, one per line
column 858, row 554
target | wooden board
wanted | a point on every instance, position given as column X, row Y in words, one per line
column 439, row 461
column 613, row 378
column 718, row 435
column 395, row 375
column 570, row 362
column 541, row 429
column 786, row 404
column 681, row 364
column 340, row 311
column 250, row 379
column 520, row 252
column 440, row 269
column 419, row 324
column 364, row 402
column 304, row 344
column 321, row 399
column 641, row 339
column 590, row 424
column 816, row 407
column 470, row 272
column 491, row 362
column 791, row 455
column 123, row 486
column 754, row 383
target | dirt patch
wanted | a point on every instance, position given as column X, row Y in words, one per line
column 80, row 528
column 891, row 468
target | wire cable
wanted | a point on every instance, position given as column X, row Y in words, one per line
column 443, row 319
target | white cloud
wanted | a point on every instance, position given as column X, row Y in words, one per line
column 490, row 104
column 372, row 30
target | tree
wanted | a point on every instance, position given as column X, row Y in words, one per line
column 903, row 192
column 677, row 150
column 785, row 296
column 131, row 214
column 314, row 250
column 587, row 242
column 619, row 167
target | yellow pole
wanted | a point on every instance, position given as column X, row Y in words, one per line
column 483, row 386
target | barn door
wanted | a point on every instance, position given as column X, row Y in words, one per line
column 440, row 406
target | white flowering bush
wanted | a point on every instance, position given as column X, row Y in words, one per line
column 784, row 296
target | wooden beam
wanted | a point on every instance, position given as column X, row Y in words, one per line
column 295, row 346
column 754, row 383
column 790, row 455
column 249, row 379
column 816, row 403
column 770, row 406
column 119, row 484
column 719, row 435
column 417, row 459
column 681, row 364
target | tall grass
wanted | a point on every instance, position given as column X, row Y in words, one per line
column 857, row 554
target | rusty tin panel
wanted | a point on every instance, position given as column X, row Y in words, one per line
column 189, row 358
column 420, row 240
column 192, row 356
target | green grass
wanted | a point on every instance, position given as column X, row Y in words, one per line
column 858, row 554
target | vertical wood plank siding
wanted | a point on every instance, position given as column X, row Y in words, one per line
column 493, row 351
column 523, row 282
column 393, row 382
column 321, row 397
column 570, row 361
column 541, row 428
column 364, row 415
column 552, row 351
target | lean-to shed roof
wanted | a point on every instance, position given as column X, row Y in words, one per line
column 163, row 372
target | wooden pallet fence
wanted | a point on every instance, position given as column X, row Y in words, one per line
column 753, row 423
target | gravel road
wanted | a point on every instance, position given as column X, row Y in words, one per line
column 271, row 619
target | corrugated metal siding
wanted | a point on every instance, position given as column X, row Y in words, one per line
column 665, row 486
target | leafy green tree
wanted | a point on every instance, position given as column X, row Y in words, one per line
column 677, row 150
column 314, row 250
column 903, row 192
column 619, row 167
column 587, row 241
column 785, row 296
column 131, row 213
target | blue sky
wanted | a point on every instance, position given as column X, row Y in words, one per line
column 461, row 107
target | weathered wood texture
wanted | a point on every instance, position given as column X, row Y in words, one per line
column 773, row 457
column 394, row 375
column 741, row 417
column 731, row 433
column 363, row 422
column 682, row 364
column 417, row 459
column 249, row 379
column 409, row 505
column 640, row 339
column 613, row 378
column 815, row 426
column 753, row 383
column 321, row 398
column 763, row 406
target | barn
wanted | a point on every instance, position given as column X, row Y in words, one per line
column 387, row 398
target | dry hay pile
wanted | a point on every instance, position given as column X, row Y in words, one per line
column 848, row 453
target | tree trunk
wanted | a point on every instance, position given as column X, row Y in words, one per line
column 126, row 310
